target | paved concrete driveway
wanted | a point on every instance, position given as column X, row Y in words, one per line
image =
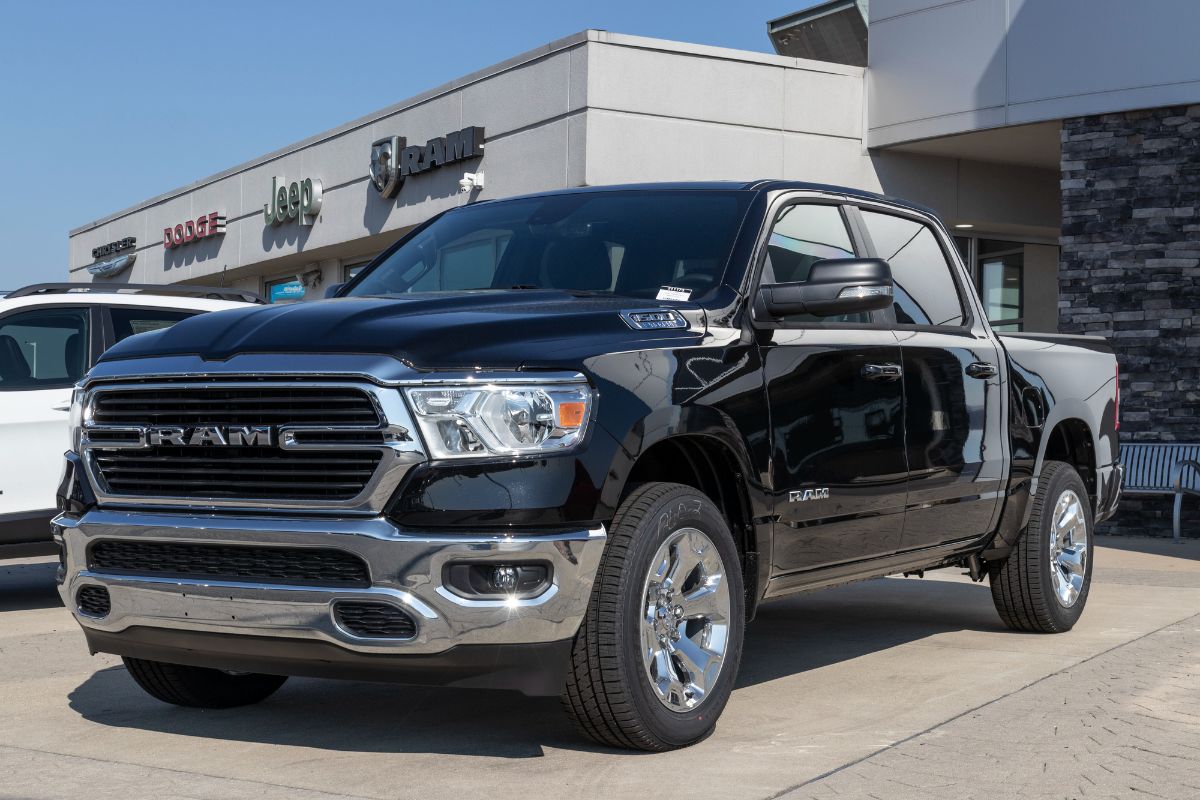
column 892, row 688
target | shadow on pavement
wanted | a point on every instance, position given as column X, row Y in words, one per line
column 788, row 637
column 1188, row 548
column 28, row 585
column 835, row 625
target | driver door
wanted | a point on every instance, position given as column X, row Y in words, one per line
column 838, row 467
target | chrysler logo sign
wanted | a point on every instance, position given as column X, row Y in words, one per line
column 114, row 247
column 393, row 160
column 113, row 266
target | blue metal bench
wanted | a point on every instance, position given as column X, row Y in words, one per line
column 1162, row 468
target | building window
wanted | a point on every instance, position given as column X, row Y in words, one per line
column 286, row 290
column 1001, row 279
column 350, row 270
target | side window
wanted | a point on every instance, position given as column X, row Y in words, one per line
column 43, row 349
column 925, row 291
column 801, row 236
column 130, row 320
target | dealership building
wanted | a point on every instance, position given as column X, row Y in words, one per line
column 1060, row 141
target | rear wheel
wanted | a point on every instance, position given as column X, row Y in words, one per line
column 656, row 657
column 1043, row 585
column 200, row 687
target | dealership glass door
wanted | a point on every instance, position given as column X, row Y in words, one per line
column 998, row 269
column 1000, row 276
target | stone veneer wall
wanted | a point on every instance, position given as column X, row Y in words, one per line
column 1130, row 270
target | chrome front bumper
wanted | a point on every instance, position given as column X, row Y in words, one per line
column 405, row 570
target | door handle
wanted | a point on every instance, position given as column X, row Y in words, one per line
column 64, row 405
column 882, row 372
column 981, row 370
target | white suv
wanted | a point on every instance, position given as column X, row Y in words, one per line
column 50, row 335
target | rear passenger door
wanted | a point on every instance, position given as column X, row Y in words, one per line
column 952, row 383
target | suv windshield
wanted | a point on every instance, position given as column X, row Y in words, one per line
column 620, row 242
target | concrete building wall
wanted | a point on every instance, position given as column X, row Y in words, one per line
column 709, row 113
column 939, row 68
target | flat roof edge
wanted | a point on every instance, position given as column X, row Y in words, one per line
column 726, row 53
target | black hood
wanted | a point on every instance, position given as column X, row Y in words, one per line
column 428, row 331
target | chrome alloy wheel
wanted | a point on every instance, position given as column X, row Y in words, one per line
column 685, row 624
column 1068, row 548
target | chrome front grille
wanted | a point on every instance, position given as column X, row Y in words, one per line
column 238, row 472
column 246, row 443
column 280, row 405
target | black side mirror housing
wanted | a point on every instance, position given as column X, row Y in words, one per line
column 834, row 286
column 332, row 289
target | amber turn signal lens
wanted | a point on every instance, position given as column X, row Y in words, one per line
column 570, row 415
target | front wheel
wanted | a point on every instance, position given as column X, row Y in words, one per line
column 1043, row 585
column 656, row 657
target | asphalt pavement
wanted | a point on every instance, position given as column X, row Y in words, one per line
column 894, row 688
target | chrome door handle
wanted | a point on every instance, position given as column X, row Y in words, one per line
column 882, row 372
column 981, row 370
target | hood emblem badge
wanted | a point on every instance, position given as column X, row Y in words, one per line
column 654, row 319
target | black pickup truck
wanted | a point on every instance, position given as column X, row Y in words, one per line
column 568, row 443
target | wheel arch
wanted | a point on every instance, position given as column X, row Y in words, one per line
column 1072, row 441
column 698, row 447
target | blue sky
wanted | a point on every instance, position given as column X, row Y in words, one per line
column 106, row 104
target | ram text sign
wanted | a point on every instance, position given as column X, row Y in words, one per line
column 393, row 160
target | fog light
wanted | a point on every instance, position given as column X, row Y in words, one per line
column 484, row 581
column 504, row 579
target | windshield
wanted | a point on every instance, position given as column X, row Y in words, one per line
column 627, row 243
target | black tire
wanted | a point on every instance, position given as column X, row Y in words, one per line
column 609, row 692
column 200, row 687
column 1022, row 585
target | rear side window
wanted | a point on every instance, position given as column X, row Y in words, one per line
column 43, row 349
column 925, row 291
column 129, row 320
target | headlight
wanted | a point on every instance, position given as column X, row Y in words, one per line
column 497, row 419
column 75, row 418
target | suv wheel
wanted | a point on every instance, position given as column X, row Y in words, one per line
column 656, row 657
column 1043, row 585
column 200, row 687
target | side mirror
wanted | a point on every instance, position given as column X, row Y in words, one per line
column 332, row 289
column 834, row 286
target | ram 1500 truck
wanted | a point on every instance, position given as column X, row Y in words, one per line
column 568, row 443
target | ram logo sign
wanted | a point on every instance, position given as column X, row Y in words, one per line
column 804, row 495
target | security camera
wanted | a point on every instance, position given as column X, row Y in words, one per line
column 470, row 180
